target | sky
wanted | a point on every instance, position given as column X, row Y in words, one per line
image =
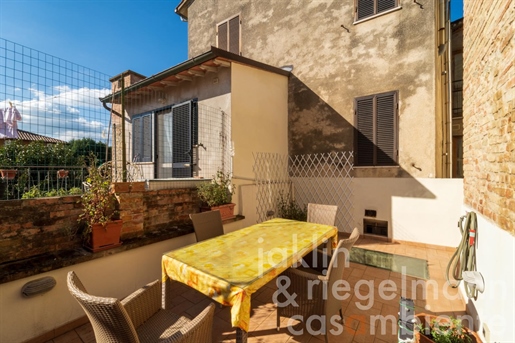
column 109, row 36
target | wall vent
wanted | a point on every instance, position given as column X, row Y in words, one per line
column 375, row 227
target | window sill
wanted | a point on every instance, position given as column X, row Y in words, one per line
column 375, row 167
column 377, row 15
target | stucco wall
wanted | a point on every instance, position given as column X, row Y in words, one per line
column 114, row 276
column 332, row 65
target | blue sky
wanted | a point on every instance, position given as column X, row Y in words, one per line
column 109, row 36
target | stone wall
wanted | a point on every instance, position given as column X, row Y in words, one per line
column 488, row 110
column 32, row 227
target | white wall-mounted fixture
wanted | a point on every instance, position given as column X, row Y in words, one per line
column 474, row 278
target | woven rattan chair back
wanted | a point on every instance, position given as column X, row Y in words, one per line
column 322, row 214
column 108, row 317
column 207, row 225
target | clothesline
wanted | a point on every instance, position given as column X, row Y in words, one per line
column 9, row 118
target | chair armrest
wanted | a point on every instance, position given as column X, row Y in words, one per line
column 306, row 273
column 143, row 303
column 199, row 329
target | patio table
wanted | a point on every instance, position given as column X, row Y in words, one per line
column 229, row 268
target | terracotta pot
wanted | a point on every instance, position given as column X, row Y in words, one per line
column 426, row 320
column 226, row 211
column 8, row 174
column 61, row 173
column 105, row 237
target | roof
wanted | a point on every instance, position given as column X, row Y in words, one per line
column 182, row 8
column 186, row 71
column 29, row 136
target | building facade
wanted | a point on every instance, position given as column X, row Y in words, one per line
column 367, row 76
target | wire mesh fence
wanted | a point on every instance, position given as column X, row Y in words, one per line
column 50, row 118
column 286, row 184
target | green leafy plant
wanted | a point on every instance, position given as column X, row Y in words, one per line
column 288, row 208
column 449, row 330
column 99, row 202
column 217, row 192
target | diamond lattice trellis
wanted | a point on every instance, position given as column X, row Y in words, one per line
column 314, row 178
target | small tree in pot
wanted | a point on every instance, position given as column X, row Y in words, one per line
column 217, row 195
column 100, row 217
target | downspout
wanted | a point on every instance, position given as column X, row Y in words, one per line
column 449, row 94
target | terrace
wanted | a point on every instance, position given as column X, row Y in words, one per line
column 431, row 296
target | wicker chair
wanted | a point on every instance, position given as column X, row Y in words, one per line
column 139, row 317
column 207, row 224
column 311, row 299
column 322, row 214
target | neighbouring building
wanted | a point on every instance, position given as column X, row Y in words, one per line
column 489, row 158
column 367, row 76
column 26, row 137
column 209, row 113
column 457, row 97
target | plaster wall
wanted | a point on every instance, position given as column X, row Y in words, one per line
column 259, row 115
column 494, row 309
column 336, row 60
column 117, row 276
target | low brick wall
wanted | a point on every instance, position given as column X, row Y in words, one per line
column 31, row 227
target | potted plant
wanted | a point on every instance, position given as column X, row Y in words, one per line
column 217, row 195
column 100, row 217
column 443, row 329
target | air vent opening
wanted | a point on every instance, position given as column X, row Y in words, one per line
column 375, row 227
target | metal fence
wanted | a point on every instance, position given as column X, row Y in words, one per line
column 315, row 178
column 50, row 119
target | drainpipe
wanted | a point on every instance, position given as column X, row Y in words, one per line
column 124, row 153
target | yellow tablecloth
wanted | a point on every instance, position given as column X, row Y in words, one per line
column 229, row 268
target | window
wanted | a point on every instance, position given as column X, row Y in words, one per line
column 376, row 124
column 228, row 35
column 142, row 134
column 178, row 133
column 368, row 8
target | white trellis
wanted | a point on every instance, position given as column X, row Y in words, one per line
column 314, row 178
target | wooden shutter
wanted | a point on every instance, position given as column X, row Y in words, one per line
column 385, row 129
column 384, row 5
column 365, row 131
column 146, row 149
column 181, row 140
column 365, row 8
column 222, row 36
column 234, row 35
column 137, row 139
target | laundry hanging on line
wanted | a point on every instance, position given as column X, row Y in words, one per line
column 9, row 119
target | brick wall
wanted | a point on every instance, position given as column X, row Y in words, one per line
column 488, row 109
column 35, row 226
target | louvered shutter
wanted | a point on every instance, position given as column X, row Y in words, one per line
column 385, row 133
column 222, row 36
column 365, row 8
column 136, row 139
column 181, row 140
column 146, row 144
column 234, row 35
column 384, row 5
column 365, row 131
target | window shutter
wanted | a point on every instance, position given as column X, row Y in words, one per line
column 136, row 139
column 234, row 35
column 365, row 134
column 181, row 140
column 146, row 137
column 384, row 5
column 385, row 135
column 365, row 8
column 222, row 36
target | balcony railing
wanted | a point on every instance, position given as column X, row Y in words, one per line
column 22, row 182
